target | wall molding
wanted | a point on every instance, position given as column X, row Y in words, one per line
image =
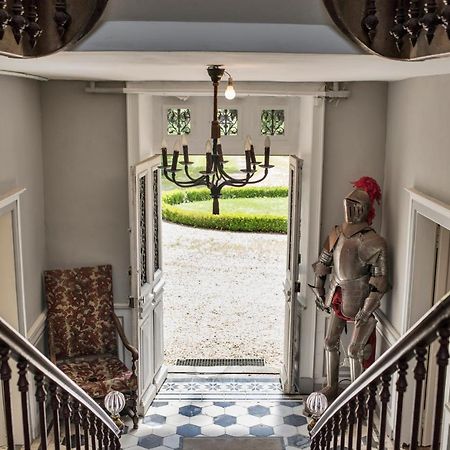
column 386, row 329
column 37, row 330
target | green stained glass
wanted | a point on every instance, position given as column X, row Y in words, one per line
column 228, row 120
column 272, row 122
column 178, row 121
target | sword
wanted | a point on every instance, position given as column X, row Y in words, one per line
column 319, row 300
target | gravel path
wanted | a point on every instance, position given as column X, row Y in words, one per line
column 223, row 294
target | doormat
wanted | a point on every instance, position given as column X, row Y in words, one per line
column 202, row 362
column 233, row 443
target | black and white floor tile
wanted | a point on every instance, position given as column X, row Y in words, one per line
column 174, row 415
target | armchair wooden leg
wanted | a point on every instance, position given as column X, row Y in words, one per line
column 135, row 417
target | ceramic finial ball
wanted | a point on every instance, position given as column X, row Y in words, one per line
column 114, row 404
column 317, row 403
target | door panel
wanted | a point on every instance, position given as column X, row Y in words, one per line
column 441, row 287
column 290, row 375
column 147, row 279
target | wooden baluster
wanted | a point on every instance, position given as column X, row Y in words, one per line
column 323, row 438
column 105, row 437
column 420, row 372
column 99, row 434
column 116, row 441
column 360, row 413
column 86, row 427
column 93, row 430
column 5, row 376
column 4, row 18
column 62, row 18
column 442, row 357
column 335, row 431
column 23, row 385
column 369, row 21
column 55, row 405
column 67, row 413
column 351, row 419
column 40, row 398
column 384, row 397
column 33, row 29
column 76, row 423
column 329, row 434
column 343, row 425
column 445, row 17
column 371, row 405
column 398, row 31
column 413, row 26
column 401, row 384
column 18, row 21
column 430, row 20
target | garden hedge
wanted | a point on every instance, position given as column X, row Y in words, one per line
column 261, row 223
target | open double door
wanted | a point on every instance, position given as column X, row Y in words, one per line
column 148, row 280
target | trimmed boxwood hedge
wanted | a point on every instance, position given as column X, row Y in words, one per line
column 259, row 223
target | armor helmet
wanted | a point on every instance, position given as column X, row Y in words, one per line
column 357, row 205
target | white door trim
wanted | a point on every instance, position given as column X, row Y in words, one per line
column 10, row 203
column 436, row 211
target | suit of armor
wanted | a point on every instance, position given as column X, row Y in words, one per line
column 355, row 258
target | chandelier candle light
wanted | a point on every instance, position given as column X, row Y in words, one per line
column 214, row 177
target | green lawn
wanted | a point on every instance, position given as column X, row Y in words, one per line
column 277, row 206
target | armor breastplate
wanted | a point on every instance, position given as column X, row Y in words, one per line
column 346, row 258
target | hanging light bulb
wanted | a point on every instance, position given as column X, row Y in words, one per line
column 230, row 93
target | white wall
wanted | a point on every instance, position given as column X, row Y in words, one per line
column 85, row 160
column 355, row 133
column 417, row 155
column 21, row 166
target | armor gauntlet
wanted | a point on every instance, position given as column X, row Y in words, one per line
column 321, row 269
column 378, row 282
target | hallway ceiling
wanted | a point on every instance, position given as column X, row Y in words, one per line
column 173, row 40
column 190, row 66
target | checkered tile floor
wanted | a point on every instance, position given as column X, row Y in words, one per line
column 170, row 419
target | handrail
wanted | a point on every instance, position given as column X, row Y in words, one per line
column 421, row 333
column 23, row 350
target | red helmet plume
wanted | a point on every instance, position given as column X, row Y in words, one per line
column 373, row 190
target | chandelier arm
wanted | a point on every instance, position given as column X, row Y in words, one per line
column 261, row 179
column 236, row 180
column 236, row 183
column 186, row 171
column 184, row 184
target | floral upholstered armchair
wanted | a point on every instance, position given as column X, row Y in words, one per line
column 83, row 332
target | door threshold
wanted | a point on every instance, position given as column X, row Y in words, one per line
column 259, row 370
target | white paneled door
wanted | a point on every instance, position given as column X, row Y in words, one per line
column 293, row 308
column 147, row 279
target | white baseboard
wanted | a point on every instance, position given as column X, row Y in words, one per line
column 36, row 331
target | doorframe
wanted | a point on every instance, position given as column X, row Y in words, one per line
column 425, row 206
column 10, row 203
column 309, row 147
column 438, row 212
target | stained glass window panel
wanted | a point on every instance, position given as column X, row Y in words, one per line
column 228, row 120
column 178, row 121
column 272, row 122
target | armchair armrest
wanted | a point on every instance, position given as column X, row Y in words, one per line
column 123, row 338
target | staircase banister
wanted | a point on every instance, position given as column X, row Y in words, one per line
column 18, row 344
column 422, row 331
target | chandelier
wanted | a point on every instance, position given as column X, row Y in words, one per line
column 215, row 176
